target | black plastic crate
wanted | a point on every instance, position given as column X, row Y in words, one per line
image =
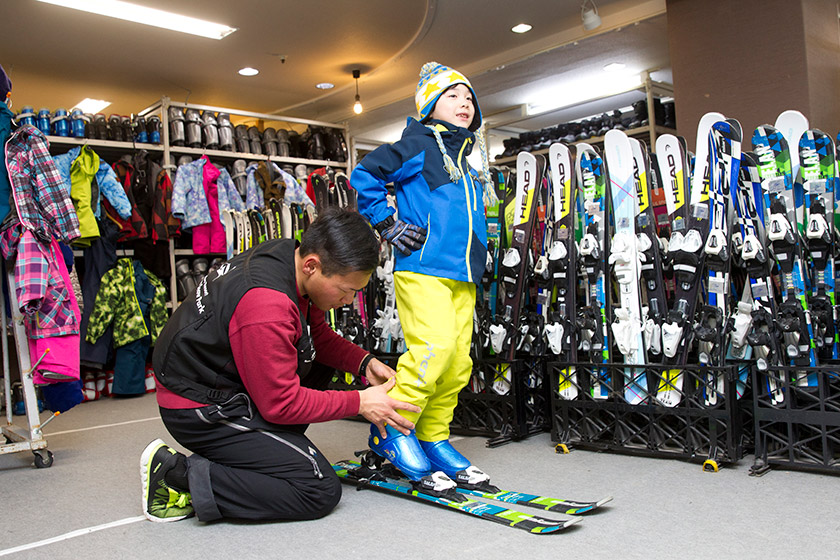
column 796, row 426
column 704, row 421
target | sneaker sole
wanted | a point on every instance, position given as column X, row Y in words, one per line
column 145, row 458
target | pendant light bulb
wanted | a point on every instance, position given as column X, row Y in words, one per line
column 357, row 106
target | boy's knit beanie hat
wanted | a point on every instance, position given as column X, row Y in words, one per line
column 5, row 85
column 436, row 78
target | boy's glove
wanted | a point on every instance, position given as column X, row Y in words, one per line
column 403, row 236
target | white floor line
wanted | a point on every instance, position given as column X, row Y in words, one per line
column 72, row 534
column 48, row 435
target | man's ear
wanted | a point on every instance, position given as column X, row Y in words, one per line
column 311, row 263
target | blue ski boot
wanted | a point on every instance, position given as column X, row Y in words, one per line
column 402, row 450
column 443, row 457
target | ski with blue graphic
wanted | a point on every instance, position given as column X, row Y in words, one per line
column 723, row 169
column 792, row 125
column 754, row 333
column 562, row 258
column 817, row 171
column 592, row 325
column 626, row 268
column 351, row 472
column 774, row 167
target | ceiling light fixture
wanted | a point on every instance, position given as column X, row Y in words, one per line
column 325, row 85
column 357, row 106
column 521, row 28
column 148, row 16
column 88, row 105
column 248, row 71
column 589, row 15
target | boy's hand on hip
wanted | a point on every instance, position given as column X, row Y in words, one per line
column 375, row 405
column 405, row 237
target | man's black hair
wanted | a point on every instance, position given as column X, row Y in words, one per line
column 343, row 240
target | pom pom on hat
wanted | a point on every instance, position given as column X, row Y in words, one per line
column 435, row 78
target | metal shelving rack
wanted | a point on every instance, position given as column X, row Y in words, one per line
column 19, row 438
column 161, row 108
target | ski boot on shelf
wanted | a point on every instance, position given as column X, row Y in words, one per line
column 141, row 134
column 26, row 116
column 255, row 140
column 269, row 141
column 210, row 130
column 283, row 143
column 192, row 127
column 153, row 129
column 406, row 456
column 225, row 132
column 443, row 457
column 177, row 134
column 43, row 121
column 77, row 123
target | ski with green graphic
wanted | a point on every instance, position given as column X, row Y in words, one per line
column 774, row 167
column 352, row 472
column 817, row 171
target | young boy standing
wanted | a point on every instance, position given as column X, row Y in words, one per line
column 440, row 233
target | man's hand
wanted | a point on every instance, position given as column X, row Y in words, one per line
column 376, row 406
column 378, row 373
column 405, row 237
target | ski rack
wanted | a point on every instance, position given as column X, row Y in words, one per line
column 692, row 430
column 803, row 431
column 503, row 417
column 19, row 438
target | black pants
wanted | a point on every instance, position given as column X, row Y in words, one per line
column 247, row 468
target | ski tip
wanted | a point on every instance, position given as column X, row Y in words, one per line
column 573, row 521
column 603, row 501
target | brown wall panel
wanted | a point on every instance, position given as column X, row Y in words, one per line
column 743, row 58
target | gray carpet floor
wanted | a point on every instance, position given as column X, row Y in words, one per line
column 88, row 505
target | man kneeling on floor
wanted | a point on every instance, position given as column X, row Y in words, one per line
column 242, row 367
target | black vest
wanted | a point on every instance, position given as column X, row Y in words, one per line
column 192, row 356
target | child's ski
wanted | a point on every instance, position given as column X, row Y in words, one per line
column 685, row 252
column 654, row 305
column 353, row 473
column 562, row 258
column 624, row 257
column 816, row 156
column 773, row 155
column 592, row 326
column 515, row 265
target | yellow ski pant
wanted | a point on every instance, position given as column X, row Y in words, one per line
column 437, row 321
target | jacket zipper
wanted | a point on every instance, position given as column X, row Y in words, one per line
column 469, row 210
column 428, row 234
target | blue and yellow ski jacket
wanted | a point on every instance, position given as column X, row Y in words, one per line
column 452, row 213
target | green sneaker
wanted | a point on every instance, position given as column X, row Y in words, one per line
column 160, row 502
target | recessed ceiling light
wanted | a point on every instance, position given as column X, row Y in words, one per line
column 615, row 66
column 521, row 28
column 88, row 105
column 248, row 71
column 148, row 16
column 325, row 85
